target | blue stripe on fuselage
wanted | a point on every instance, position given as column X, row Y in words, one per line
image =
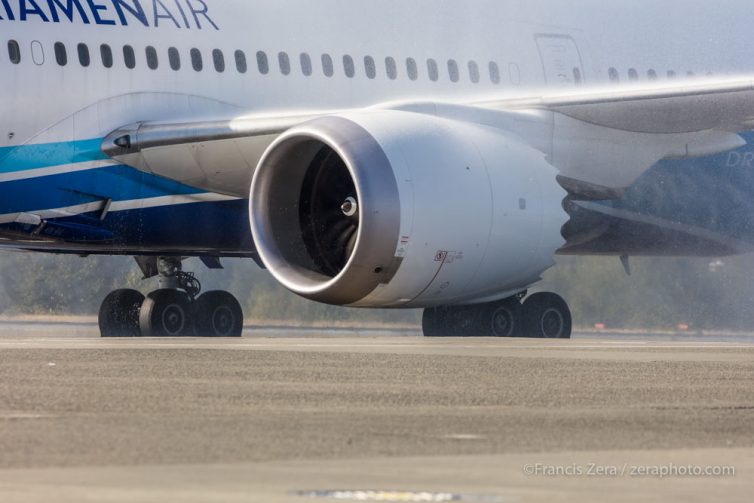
column 45, row 155
column 217, row 225
column 119, row 183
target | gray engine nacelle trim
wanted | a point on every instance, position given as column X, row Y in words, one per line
column 274, row 211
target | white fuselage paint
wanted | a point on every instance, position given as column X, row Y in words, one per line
column 45, row 102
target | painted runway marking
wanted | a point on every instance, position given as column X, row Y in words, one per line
column 464, row 436
column 399, row 496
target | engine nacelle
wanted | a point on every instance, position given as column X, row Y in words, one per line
column 397, row 209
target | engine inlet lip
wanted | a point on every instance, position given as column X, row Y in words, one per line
column 301, row 135
column 378, row 211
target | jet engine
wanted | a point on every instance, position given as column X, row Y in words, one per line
column 388, row 208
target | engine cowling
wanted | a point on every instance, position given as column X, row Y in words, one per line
column 397, row 209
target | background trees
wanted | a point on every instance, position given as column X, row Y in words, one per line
column 662, row 292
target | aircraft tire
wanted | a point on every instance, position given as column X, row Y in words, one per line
column 218, row 314
column 496, row 319
column 448, row 321
column 547, row 316
column 435, row 322
column 166, row 313
column 119, row 314
column 466, row 321
column 501, row 319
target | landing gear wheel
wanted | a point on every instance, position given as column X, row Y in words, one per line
column 547, row 316
column 450, row 321
column 119, row 314
column 166, row 313
column 502, row 318
column 465, row 321
column 434, row 322
column 218, row 314
column 496, row 319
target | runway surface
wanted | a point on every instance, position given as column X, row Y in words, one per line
column 283, row 415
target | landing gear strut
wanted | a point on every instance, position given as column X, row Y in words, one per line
column 542, row 315
column 176, row 309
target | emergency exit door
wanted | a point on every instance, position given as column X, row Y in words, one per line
column 561, row 60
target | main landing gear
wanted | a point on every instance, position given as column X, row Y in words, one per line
column 542, row 315
column 176, row 309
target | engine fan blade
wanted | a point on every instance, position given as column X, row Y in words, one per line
column 329, row 213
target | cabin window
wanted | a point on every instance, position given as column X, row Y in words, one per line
column 412, row 69
column 37, row 53
column 494, row 73
column 174, row 58
column 453, row 71
column 370, row 67
column 241, row 64
column 61, row 55
column 515, row 74
column 106, row 53
column 327, row 65
column 218, row 58
column 671, row 74
column 633, row 75
column 129, row 57
column 152, row 61
column 348, row 66
column 577, row 77
column 263, row 63
column 285, row 63
column 391, row 68
column 652, row 75
column 613, row 74
column 83, row 52
column 306, row 64
column 196, row 60
column 433, row 70
column 474, row 72
column 14, row 52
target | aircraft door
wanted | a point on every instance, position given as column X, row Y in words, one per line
column 561, row 60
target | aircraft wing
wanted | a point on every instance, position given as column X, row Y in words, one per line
column 216, row 155
column 600, row 140
column 663, row 109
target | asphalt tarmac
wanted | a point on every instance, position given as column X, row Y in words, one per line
column 301, row 415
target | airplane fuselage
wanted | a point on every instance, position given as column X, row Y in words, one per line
column 73, row 71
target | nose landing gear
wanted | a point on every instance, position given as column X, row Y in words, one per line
column 176, row 309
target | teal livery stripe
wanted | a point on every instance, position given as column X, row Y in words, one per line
column 117, row 183
column 45, row 155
